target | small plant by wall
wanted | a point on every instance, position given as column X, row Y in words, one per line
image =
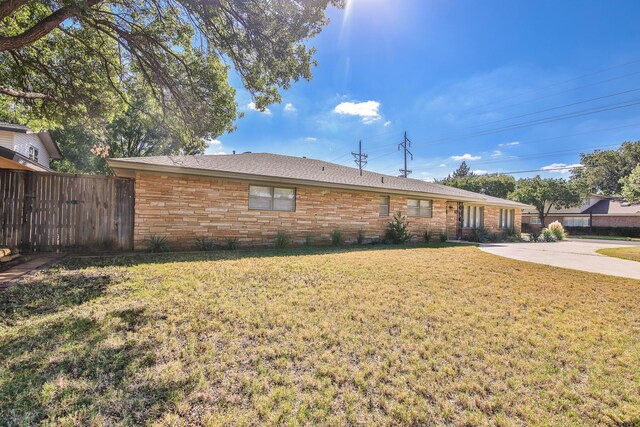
column 336, row 237
column 282, row 239
column 443, row 237
column 205, row 244
column 158, row 244
column 308, row 239
column 397, row 230
column 427, row 235
column 360, row 237
column 232, row 244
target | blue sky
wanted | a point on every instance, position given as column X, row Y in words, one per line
column 451, row 73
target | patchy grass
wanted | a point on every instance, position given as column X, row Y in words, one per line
column 412, row 336
column 630, row 252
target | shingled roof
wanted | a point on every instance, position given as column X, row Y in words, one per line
column 296, row 170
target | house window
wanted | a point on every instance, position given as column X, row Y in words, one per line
column 33, row 153
column 272, row 198
column 473, row 216
column 506, row 218
column 419, row 208
column 384, row 205
column 575, row 221
column 534, row 220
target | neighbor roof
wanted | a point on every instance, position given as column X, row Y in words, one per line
column 44, row 136
column 279, row 168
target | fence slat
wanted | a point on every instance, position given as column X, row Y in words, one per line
column 57, row 212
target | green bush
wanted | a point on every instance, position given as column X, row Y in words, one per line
column 308, row 239
column 360, row 237
column 557, row 229
column 205, row 244
column 443, row 237
column 158, row 244
column 232, row 244
column 427, row 235
column 547, row 235
column 534, row 236
column 336, row 237
column 397, row 230
column 479, row 235
column 282, row 239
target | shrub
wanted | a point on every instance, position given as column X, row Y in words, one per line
column 557, row 229
column 205, row 244
column 282, row 239
column 360, row 237
column 397, row 230
column 336, row 237
column 158, row 244
column 443, row 237
column 547, row 235
column 308, row 239
column 534, row 236
column 479, row 235
column 232, row 244
column 427, row 235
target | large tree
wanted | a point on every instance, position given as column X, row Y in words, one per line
column 462, row 171
column 631, row 186
column 491, row 185
column 545, row 194
column 63, row 60
column 603, row 170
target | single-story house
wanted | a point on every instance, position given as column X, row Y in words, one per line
column 595, row 211
column 24, row 149
column 252, row 196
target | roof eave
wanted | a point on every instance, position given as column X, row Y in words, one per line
column 50, row 145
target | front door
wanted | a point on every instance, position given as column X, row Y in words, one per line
column 455, row 212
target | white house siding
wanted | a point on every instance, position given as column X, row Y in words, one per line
column 22, row 142
column 6, row 139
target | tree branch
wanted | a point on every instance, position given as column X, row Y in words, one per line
column 26, row 95
column 7, row 7
column 42, row 28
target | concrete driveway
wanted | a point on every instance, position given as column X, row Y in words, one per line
column 575, row 254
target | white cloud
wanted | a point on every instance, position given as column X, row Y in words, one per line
column 367, row 110
column 480, row 172
column 509, row 144
column 387, row 123
column 252, row 106
column 442, row 165
column 214, row 146
column 289, row 107
column 311, row 139
column 496, row 153
column 560, row 167
column 466, row 157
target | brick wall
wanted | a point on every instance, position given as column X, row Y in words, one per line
column 183, row 208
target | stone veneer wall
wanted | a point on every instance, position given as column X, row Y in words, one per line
column 183, row 208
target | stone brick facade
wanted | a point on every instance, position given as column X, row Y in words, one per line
column 183, row 208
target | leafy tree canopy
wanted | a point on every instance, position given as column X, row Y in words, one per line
column 491, row 185
column 631, row 186
column 63, row 60
column 604, row 169
column 462, row 171
column 546, row 193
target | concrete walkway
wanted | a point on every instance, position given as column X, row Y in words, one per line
column 35, row 261
column 575, row 254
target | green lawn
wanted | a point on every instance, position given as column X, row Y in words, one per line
column 630, row 252
column 404, row 336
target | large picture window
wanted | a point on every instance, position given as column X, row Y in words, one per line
column 473, row 217
column 506, row 218
column 575, row 221
column 419, row 208
column 272, row 198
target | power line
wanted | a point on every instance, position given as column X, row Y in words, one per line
column 404, row 145
column 539, row 170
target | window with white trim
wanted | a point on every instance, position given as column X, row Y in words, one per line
column 384, row 205
column 473, row 216
column 506, row 218
column 575, row 221
column 272, row 198
column 419, row 208
column 33, row 153
column 535, row 220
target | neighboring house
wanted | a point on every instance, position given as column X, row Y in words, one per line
column 250, row 197
column 23, row 148
column 595, row 211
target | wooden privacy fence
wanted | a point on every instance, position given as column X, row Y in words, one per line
column 52, row 212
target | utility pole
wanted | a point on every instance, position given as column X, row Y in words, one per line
column 359, row 158
column 405, row 146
